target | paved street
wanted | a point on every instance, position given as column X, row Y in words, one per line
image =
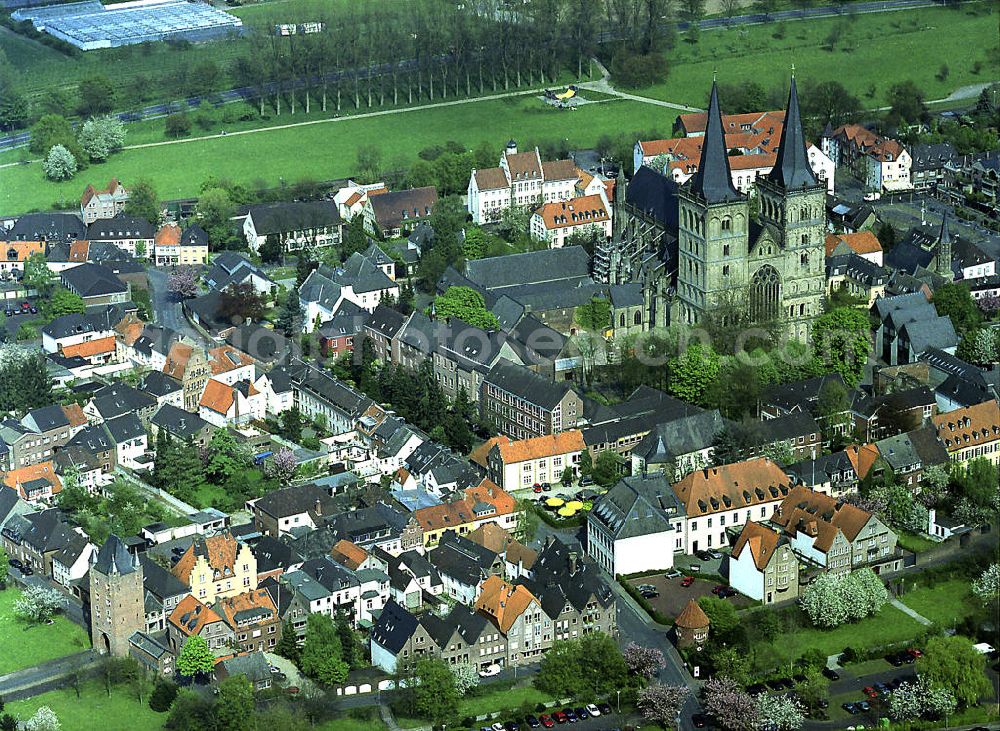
column 168, row 312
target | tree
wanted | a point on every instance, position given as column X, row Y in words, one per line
column 466, row 677
column 833, row 407
column 195, row 658
column 321, row 652
column 4, row 568
column 642, row 661
column 38, row 603
column 841, row 341
column 24, row 381
column 288, row 645
column 953, row 663
column 183, row 282
column 661, row 703
column 235, row 703
column 283, row 465
column 14, row 107
column 59, row 164
column 63, row 302
column 815, row 689
column 594, row 315
column 467, row 305
column 368, row 164
column 986, row 587
column 177, row 125
column 938, row 702
column 980, row 346
column 906, row 102
column 49, row 131
column 163, row 695
column 955, row 301
column 44, row 719
column 721, row 614
column 589, row 666
column 272, row 250
column 833, row 600
column 732, row 707
column 191, row 711
column 692, row 372
column 779, row 712
column 429, row 690
column 97, row 96
column 241, row 303
column 37, row 274
column 732, row 662
column 101, row 136
column 215, row 209
column 8, row 722
column 607, row 468
column 226, row 457
column 143, row 202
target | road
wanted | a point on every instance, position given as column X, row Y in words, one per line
column 23, row 683
column 168, row 312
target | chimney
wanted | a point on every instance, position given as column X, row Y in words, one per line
column 572, row 563
column 318, row 508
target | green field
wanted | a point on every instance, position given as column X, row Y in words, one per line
column 888, row 626
column 94, row 709
column 328, row 150
column 946, row 604
column 23, row 645
column 875, row 50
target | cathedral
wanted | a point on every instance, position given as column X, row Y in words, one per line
column 698, row 244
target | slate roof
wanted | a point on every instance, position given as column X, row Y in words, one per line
column 527, row 384
column 121, row 226
column 655, row 195
column 714, row 180
column 393, row 627
column 685, row 435
column 923, row 334
column 564, row 575
column 823, row 468
column 858, row 268
column 49, row 227
column 789, row 426
column 295, row 500
column 392, row 209
column 626, row 295
column 120, row 398
column 461, row 559
column 114, row 558
column 254, row 666
column 178, row 422
column 791, row 169
column 286, row 217
column 125, row 428
column 159, row 383
column 93, row 280
column 569, row 263
column 637, row 506
column 386, row 321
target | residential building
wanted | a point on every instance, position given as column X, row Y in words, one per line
column 857, row 276
column 173, row 246
column 523, row 404
column 194, row 618
column 391, row 215
column 863, row 243
column 556, row 222
column 106, row 203
column 231, row 268
column 152, row 654
column 295, row 226
column 719, row 498
column 253, row 666
column 253, row 617
column 521, row 179
column 971, row 432
column 831, row 474
column 930, row 162
column 132, row 235
column 520, row 465
column 907, row 455
column 36, row 437
column 637, row 525
column 834, row 535
column 515, row 611
column 217, row 566
column 361, row 280
column 73, row 562
column 763, row 565
column 880, row 163
column 909, row 325
column 181, row 425
column 95, row 283
column 35, row 483
column 485, row 503
column 190, row 366
column 291, row 508
column 35, row 538
column 238, row 404
column 679, row 446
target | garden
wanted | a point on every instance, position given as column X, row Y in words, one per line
column 27, row 643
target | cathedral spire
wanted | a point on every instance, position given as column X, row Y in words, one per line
column 618, row 204
column 791, row 168
column 714, row 179
column 943, row 254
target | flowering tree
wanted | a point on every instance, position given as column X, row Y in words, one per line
column 101, row 136
column 732, row 707
column 661, row 703
column 904, row 702
column 832, row 600
column 987, row 587
column 38, row 603
column 466, row 677
column 59, row 164
column 937, row 700
column 779, row 712
column 44, row 719
column 913, row 700
column 642, row 661
column 184, row 282
column 866, row 593
column 283, row 464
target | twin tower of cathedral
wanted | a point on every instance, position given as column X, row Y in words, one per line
column 774, row 265
column 770, row 264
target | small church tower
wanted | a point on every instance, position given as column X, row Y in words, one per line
column 943, row 253
column 117, row 598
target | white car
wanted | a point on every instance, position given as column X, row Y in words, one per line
column 593, row 710
column 488, row 672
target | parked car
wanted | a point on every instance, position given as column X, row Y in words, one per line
column 490, row 671
column 649, row 594
column 34, row 310
column 714, row 554
column 604, row 708
column 757, row 689
column 570, row 715
column 592, row 710
column 646, row 587
column 865, row 706
column 546, row 720
column 560, row 717
column 497, row 726
column 830, row 674
column 699, row 720
column 694, row 568
column 581, row 713
column 512, row 726
column 687, row 581
column 672, row 574
column 536, row 488
column 870, row 691
column 586, row 480
column 914, row 653
column 27, row 570
column 851, row 708
column 703, row 555
column 532, row 721
column 16, row 563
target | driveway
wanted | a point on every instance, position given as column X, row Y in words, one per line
column 167, row 312
column 294, row 676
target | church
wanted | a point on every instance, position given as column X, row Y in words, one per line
column 696, row 245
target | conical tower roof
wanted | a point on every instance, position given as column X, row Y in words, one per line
column 714, row 179
column 114, row 557
column 945, row 236
column 692, row 617
column 791, row 168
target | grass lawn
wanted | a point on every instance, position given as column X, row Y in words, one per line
column 23, row 645
column 888, row 626
column 352, row 724
column 947, row 603
column 503, row 699
column 328, row 150
column 95, row 709
column 874, row 51
column 868, row 667
column 209, row 495
column 915, row 543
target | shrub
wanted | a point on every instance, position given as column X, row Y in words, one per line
column 177, row 125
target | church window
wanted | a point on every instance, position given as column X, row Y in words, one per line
column 725, row 249
column 725, row 270
column 621, row 320
column 802, row 309
column 804, row 239
column 727, row 224
column 765, row 293
column 637, row 318
column 804, row 259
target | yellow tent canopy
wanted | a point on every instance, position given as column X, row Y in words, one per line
column 568, row 94
column 574, row 505
column 555, row 502
column 567, row 512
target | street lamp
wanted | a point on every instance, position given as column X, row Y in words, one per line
column 618, row 702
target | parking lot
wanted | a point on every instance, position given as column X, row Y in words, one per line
column 674, row 597
column 18, row 316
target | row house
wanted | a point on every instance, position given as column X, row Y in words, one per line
column 554, row 223
column 217, row 566
column 363, row 280
column 518, row 465
column 395, row 214
column 880, row 163
column 485, row 503
column 291, row 508
column 763, row 565
column 194, row 618
column 35, row 538
column 679, row 446
column 971, row 433
column 253, row 617
column 225, row 405
column 132, row 235
column 37, row 436
column 37, row 484
column 523, row 404
column 173, row 246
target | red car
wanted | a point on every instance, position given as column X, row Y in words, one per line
column 537, row 488
column 560, row 717
column 718, row 589
column 870, row 692
column 546, row 720
column 914, row 652
column 687, row 581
